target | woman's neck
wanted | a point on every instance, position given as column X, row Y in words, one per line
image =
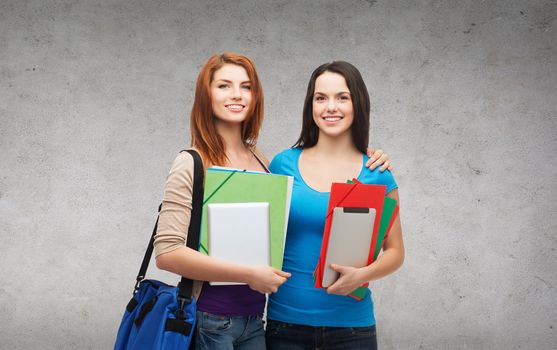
column 231, row 134
column 335, row 146
column 235, row 149
column 332, row 159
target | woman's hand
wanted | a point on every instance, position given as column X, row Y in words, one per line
column 350, row 279
column 377, row 158
column 266, row 279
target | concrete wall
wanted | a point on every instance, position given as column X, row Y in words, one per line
column 94, row 104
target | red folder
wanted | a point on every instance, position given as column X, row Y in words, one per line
column 354, row 195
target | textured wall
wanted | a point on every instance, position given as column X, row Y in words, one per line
column 94, row 103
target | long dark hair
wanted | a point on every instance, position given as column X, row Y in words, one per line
column 360, row 102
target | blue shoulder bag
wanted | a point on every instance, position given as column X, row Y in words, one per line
column 160, row 316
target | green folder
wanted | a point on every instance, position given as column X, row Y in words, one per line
column 389, row 206
column 388, row 209
column 233, row 186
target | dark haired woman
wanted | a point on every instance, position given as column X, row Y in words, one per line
column 331, row 148
column 225, row 121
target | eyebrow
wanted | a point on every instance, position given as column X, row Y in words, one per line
column 324, row 94
column 230, row 82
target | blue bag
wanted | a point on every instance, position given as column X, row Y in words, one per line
column 156, row 319
column 160, row 316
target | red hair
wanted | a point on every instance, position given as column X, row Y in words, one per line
column 204, row 135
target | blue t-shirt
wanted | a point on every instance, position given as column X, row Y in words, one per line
column 297, row 300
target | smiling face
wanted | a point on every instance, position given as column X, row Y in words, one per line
column 231, row 94
column 333, row 111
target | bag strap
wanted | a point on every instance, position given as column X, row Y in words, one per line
column 186, row 285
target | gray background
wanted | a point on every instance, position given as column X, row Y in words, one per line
column 94, row 105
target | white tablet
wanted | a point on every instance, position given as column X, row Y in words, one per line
column 349, row 240
column 239, row 232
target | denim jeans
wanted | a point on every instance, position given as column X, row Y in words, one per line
column 287, row 336
column 229, row 332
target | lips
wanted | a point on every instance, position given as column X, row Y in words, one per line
column 235, row 107
column 332, row 119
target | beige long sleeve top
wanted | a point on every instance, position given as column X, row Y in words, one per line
column 174, row 218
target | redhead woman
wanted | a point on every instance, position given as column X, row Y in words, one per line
column 225, row 121
column 331, row 148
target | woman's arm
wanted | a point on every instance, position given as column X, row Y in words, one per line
column 192, row 264
column 388, row 262
column 172, row 254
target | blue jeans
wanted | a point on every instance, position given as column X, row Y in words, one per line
column 229, row 332
column 287, row 336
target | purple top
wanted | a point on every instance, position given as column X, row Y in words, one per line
column 233, row 300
